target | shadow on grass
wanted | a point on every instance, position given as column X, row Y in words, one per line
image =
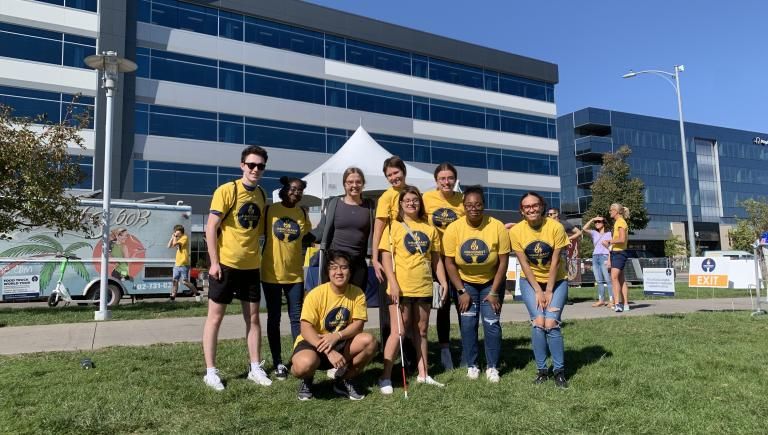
column 576, row 359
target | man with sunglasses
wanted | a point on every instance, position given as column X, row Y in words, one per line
column 232, row 234
column 574, row 233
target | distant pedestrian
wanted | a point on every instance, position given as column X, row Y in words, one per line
column 233, row 233
column 538, row 242
column 285, row 225
column 600, row 259
column 618, row 256
column 180, row 242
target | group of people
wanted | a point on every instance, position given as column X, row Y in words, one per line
column 418, row 244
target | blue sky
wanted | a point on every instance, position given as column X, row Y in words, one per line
column 723, row 45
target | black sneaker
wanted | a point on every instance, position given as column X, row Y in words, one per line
column 345, row 388
column 541, row 376
column 560, row 381
column 305, row 389
column 281, row 372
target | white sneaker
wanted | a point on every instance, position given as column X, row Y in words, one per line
column 331, row 373
column 473, row 373
column 492, row 374
column 385, row 386
column 198, row 298
column 429, row 381
column 259, row 376
column 626, row 307
column 446, row 359
column 214, row 381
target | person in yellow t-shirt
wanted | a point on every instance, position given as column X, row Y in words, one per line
column 537, row 241
column 476, row 251
column 285, row 226
column 387, row 208
column 180, row 242
column 618, row 256
column 332, row 334
column 232, row 234
column 444, row 205
column 411, row 251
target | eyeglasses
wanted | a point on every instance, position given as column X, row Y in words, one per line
column 600, row 221
column 530, row 206
column 475, row 206
column 411, row 201
column 252, row 165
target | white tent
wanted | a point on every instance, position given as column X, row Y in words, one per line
column 363, row 152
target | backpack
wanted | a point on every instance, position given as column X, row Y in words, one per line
column 234, row 203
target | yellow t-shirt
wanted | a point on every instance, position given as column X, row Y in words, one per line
column 282, row 262
column 476, row 250
column 442, row 212
column 538, row 245
column 619, row 223
column 331, row 312
column 389, row 204
column 182, row 251
column 413, row 273
column 238, row 243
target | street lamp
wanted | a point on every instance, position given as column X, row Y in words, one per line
column 111, row 65
column 676, row 84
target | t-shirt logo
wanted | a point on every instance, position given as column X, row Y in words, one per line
column 419, row 240
column 474, row 251
column 248, row 215
column 337, row 319
column 539, row 253
column 286, row 229
column 443, row 216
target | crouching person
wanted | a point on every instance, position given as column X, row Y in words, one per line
column 332, row 334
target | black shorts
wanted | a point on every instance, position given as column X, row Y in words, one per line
column 325, row 364
column 618, row 259
column 411, row 300
column 243, row 284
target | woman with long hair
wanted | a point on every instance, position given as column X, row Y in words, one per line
column 600, row 259
column 410, row 253
column 618, row 256
column 444, row 205
column 285, row 225
column 537, row 241
column 387, row 207
column 476, row 250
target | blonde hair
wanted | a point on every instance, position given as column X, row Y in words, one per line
column 623, row 211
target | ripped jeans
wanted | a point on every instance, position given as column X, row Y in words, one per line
column 544, row 339
column 469, row 324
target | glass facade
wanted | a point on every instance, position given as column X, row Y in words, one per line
column 86, row 5
column 211, row 21
column 29, row 43
column 725, row 166
column 219, row 127
column 200, row 71
column 42, row 106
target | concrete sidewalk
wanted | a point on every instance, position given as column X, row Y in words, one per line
column 93, row 335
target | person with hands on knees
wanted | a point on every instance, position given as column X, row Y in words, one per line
column 410, row 252
column 476, row 255
column 537, row 242
column 233, row 234
column 332, row 336
column 387, row 208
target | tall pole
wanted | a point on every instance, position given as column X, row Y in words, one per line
column 103, row 313
column 688, row 205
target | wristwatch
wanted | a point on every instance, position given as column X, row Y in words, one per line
column 460, row 291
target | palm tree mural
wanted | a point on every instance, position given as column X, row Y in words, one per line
column 47, row 246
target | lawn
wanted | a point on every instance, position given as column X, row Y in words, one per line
column 695, row 373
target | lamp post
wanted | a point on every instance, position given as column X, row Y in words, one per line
column 676, row 84
column 111, row 65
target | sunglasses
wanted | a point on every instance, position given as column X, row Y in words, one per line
column 600, row 221
column 252, row 166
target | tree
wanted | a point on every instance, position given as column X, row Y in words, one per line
column 675, row 247
column 37, row 170
column 746, row 231
column 614, row 185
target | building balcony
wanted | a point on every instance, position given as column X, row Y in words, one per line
column 587, row 175
column 592, row 148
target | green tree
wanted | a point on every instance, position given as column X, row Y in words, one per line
column 614, row 185
column 748, row 230
column 586, row 246
column 37, row 170
column 675, row 247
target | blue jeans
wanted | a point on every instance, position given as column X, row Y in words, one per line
column 273, row 293
column 544, row 339
column 602, row 276
column 469, row 325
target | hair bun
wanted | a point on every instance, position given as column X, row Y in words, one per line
column 284, row 180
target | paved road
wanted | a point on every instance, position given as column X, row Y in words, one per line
column 93, row 335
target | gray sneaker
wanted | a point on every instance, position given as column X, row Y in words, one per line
column 344, row 387
column 305, row 389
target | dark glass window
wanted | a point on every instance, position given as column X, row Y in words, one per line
column 182, row 72
column 86, row 5
column 141, row 122
column 283, row 88
column 181, row 182
column 280, row 36
column 31, row 108
column 183, row 127
column 74, row 54
column 230, row 80
column 231, row 26
column 377, row 101
column 334, row 48
column 284, row 138
column 451, row 113
column 378, row 57
column 186, row 16
column 230, row 132
column 456, row 74
column 30, row 48
column 419, row 66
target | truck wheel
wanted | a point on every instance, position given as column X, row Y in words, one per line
column 53, row 299
column 113, row 295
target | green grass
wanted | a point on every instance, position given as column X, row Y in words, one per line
column 695, row 373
